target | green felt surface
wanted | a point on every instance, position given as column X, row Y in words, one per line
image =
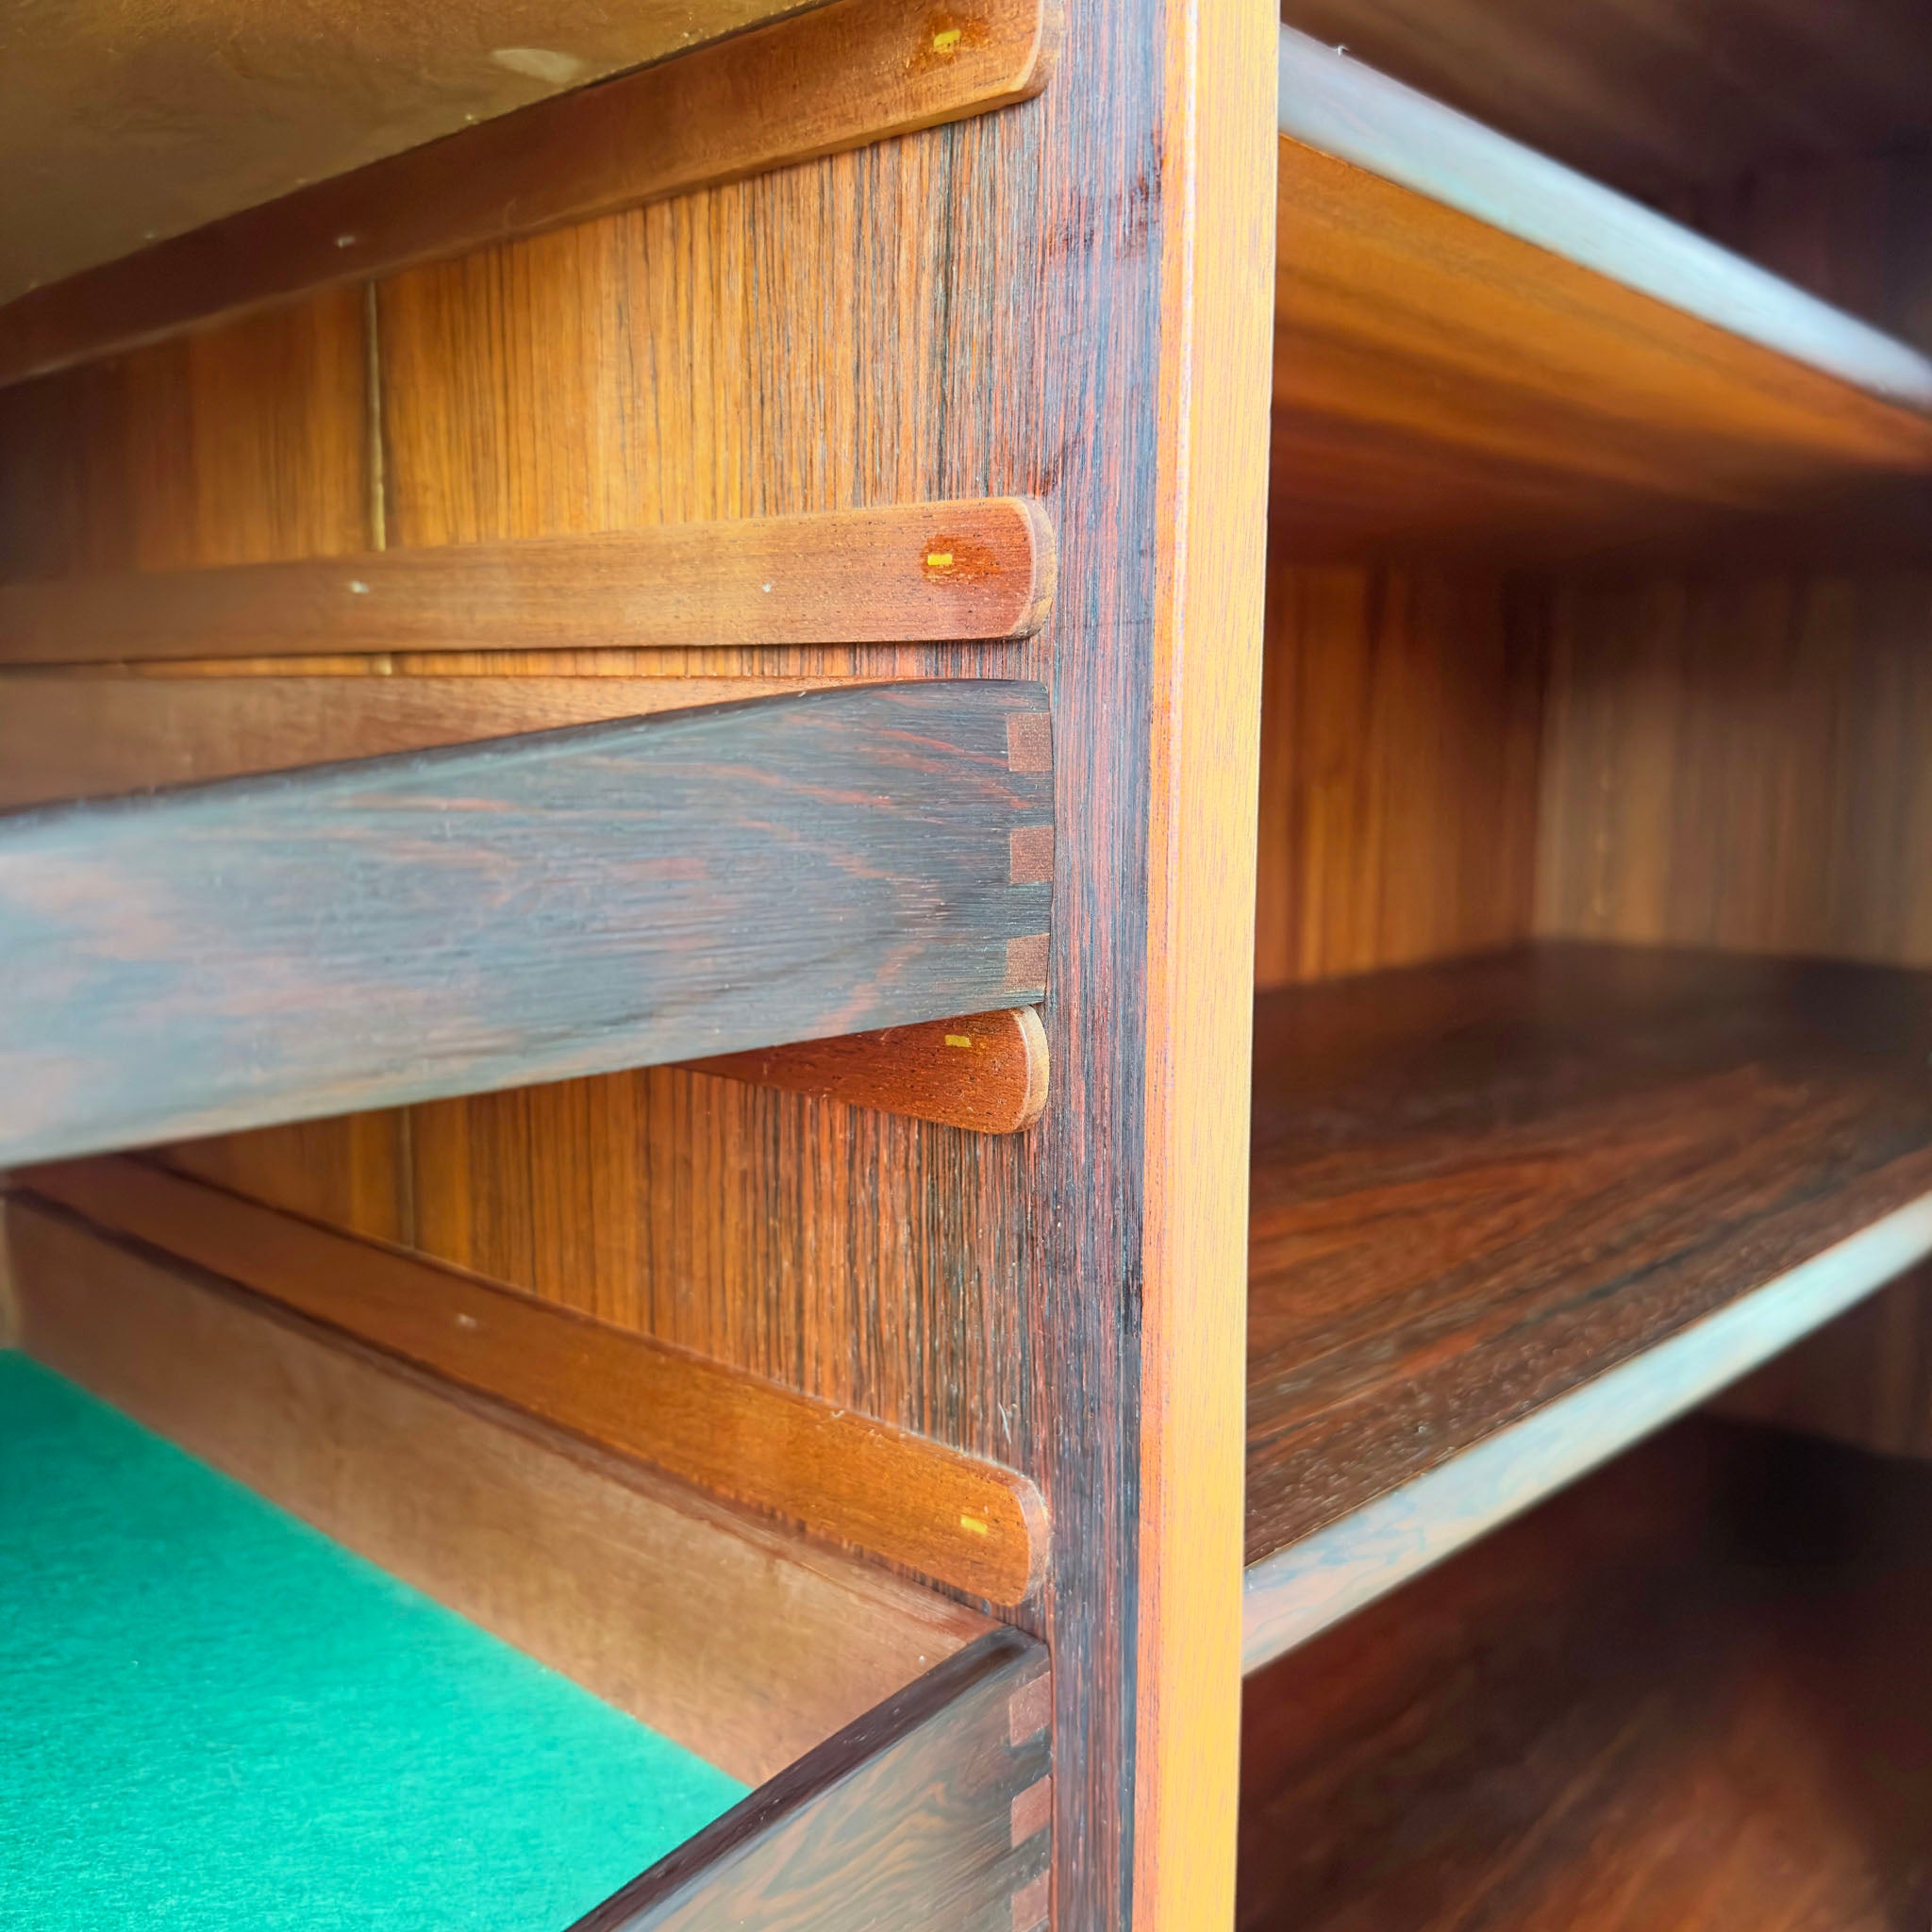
column 211, row 1717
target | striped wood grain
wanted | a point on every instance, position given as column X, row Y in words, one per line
column 363, row 935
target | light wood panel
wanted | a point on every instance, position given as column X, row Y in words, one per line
column 351, row 1172
column 271, row 949
column 1400, row 726
column 1480, row 1188
column 132, row 123
column 1738, row 761
column 1663, row 99
column 731, row 1638
column 969, row 1524
column 1473, row 344
column 913, row 574
column 837, row 74
column 249, row 442
column 1202, row 773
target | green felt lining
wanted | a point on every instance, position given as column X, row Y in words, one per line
column 212, row 1716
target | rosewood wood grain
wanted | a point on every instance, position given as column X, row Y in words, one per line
column 741, row 1641
column 985, row 1072
column 1734, row 755
column 976, row 308
column 844, row 1476
column 1690, row 1692
column 921, row 1817
column 350, row 1172
column 973, row 308
column 535, row 907
column 239, row 443
column 913, row 574
column 1479, row 1187
column 1500, row 378
column 827, row 78
column 1310, row 1585
column 65, row 737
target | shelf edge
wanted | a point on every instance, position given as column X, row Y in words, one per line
column 1300, row 1590
column 1333, row 103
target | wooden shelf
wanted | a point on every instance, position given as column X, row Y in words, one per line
column 710, row 881
column 816, row 77
column 1690, row 1692
column 1475, row 344
column 1510, row 1214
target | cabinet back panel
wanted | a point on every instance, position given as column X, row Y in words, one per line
column 1741, row 762
column 1399, row 727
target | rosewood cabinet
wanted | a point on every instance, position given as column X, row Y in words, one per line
column 1011, row 925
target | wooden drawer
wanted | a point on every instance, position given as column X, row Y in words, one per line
column 895, row 1743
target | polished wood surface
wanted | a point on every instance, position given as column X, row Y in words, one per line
column 66, row 737
column 969, row 290
column 1480, row 1186
column 1690, row 1693
column 130, row 123
column 1306, row 1587
column 1732, row 757
column 914, row 574
column 1662, row 99
column 830, row 77
column 912, row 1820
column 972, row 1524
column 530, row 908
column 1401, row 719
column 1334, row 103
column 973, row 311
column 1732, row 761
column 739, row 1641
column 1567, row 408
column 986, row 1072
column 1217, row 251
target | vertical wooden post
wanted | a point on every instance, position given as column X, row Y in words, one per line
column 1216, row 343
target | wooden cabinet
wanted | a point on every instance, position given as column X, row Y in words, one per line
column 1024, row 903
